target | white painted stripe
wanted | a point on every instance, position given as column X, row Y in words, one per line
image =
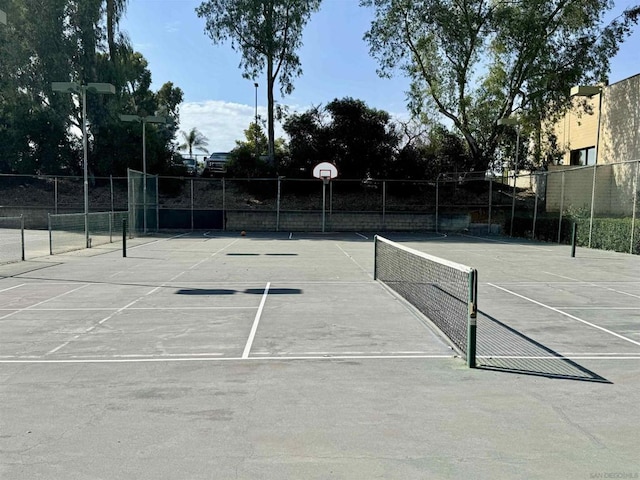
column 370, row 274
column 44, row 301
column 342, row 353
column 132, row 308
column 254, row 328
column 573, row 317
column 516, row 357
column 290, row 235
column 604, row 307
column 11, row 288
column 582, row 282
column 224, row 359
column 360, row 235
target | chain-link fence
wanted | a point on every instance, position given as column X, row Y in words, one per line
column 601, row 200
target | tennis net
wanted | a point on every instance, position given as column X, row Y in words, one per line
column 443, row 291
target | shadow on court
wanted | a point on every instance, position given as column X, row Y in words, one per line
column 504, row 349
column 248, row 291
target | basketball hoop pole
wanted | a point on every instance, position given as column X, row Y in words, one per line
column 325, row 181
column 325, row 171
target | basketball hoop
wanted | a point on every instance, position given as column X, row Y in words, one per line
column 325, row 171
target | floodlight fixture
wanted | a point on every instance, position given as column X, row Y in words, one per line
column 513, row 121
column 585, row 91
column 590, row 91
column 144, row 121
column 74, row 87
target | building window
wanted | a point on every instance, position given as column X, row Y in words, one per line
column 584, row 156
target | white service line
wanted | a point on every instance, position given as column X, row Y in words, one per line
column 224, row 359
column 11, row 288
column 573, row 317
column 352, row 259
column 593, row 285
column 360, row 235
column 30, row 307
column 213, row 255
column 254, row 328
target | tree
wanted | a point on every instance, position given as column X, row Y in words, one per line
column 476, row 61
column 267, row 33
column 194, row 140
column 243, row 160
column 358, row 139
column 65, row 40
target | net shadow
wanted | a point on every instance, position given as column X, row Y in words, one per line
column 505, row 349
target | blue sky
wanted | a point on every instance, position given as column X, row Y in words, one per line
column 335, row 62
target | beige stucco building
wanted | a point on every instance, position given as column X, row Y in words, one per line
column 608, row 182
column 619, row 121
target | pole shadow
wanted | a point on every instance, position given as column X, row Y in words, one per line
column 505, row 349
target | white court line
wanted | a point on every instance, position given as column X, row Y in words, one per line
column 360, row 235
column 593, row 285
column 290, row 235
column 300, row 354
column 507, row 243
column 517, row 357
column 11, row 288
column 352, row 259
column 106, row 309
column 573, row 317
column 213, row 255
column 93, row 327
column 604, row 307
column 30, row 307
column 226, row 359
column 254, row 328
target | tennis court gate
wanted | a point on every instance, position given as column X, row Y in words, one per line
column 143, row 202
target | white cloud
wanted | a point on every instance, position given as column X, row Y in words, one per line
column 221, row 122
column 225, row 122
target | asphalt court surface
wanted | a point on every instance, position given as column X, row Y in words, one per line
column 210, row 355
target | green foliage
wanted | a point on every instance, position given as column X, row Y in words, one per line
column 67, row 40
column 359, row 140
column 475, row 62
column 606, row 233
column 194, row 139
column 249, row 159
column 267, row 34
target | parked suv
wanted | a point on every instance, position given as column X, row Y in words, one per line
column 191, row 165
column 216, row 164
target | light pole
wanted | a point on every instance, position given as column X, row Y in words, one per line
column 255, row 84
column 516, row 122
column 144, row 121
column 590, row 91
column 74, row 87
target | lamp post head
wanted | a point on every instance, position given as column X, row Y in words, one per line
column 585, row 91
column 104, row 88
column 68, row 87
column 508, row 121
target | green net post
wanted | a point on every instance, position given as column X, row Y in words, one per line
column 473, row 319
column 124, row 237
column 22, row 236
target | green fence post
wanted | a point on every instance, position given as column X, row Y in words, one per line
column 124, row 237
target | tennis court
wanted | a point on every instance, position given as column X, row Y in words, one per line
column 213, row 355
